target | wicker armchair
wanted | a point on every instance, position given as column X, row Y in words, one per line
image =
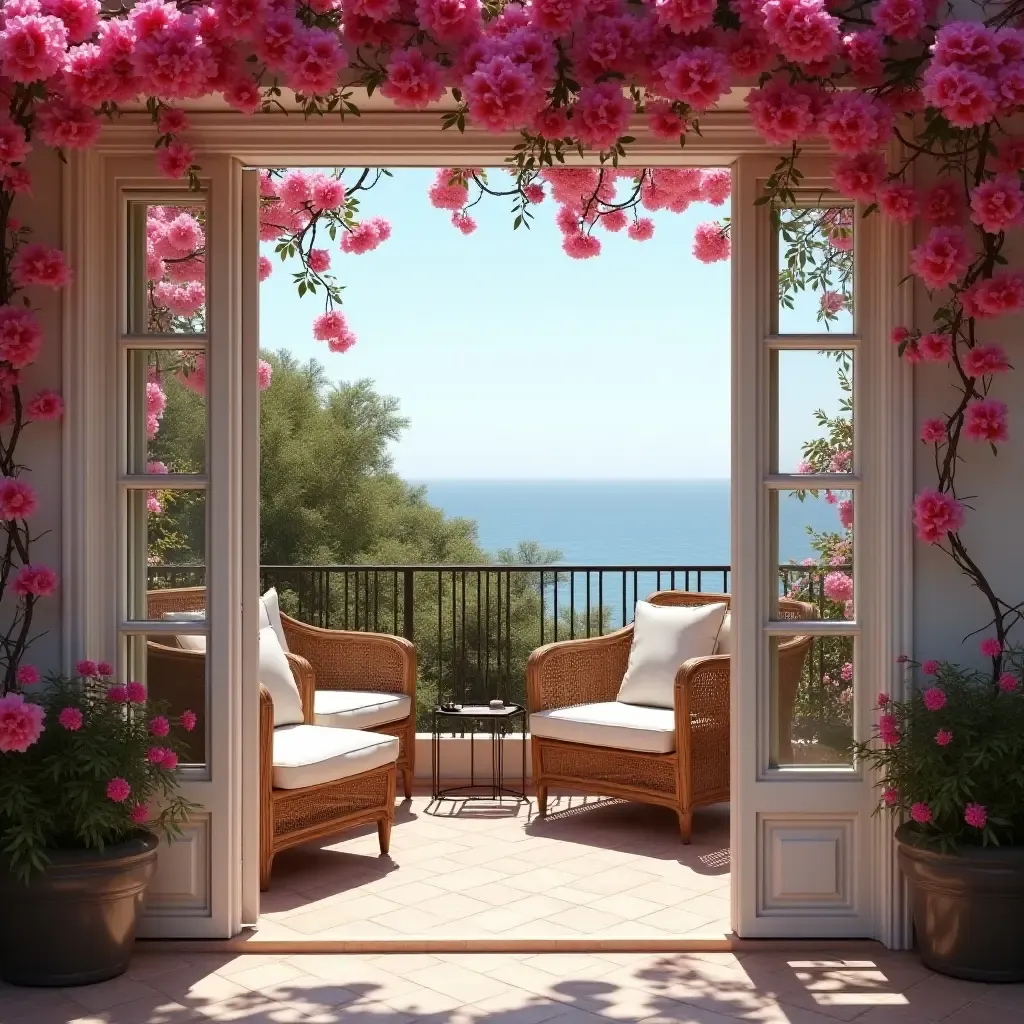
column 347, row 660
column 570, row 673
column 288, row 816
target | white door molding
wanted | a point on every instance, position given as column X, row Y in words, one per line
column 226, row 142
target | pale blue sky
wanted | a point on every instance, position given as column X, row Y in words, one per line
column 514, row 361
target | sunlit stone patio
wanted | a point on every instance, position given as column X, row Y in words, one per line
column 780, row 987
column 594, row 868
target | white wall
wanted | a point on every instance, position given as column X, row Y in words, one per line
column 39, row 447
column 946, row 606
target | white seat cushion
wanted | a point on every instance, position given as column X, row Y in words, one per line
column 609, row 724
column 307, row 755
column 276, row 675
column 356, row 709
column 664, row 636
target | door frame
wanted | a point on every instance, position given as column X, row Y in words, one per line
column 388, row 138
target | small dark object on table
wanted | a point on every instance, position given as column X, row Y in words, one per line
column 452, row 716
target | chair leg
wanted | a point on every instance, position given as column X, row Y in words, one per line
column 407, row 782
column 266, row 863
column 686, row 825
column 542, row 800
column 384, row 835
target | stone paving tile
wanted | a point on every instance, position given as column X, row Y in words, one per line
column 445, row 874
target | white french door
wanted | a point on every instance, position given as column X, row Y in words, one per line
column 185, row 336
column 808, row 858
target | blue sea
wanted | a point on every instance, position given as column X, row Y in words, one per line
column 620, row 522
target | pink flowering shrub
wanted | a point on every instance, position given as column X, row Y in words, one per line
column 949, row 756
column 75, row 770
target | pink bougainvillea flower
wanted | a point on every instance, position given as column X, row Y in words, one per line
column 998, row 204
column 944, row 737
column 711, row 243
column 32, row 46
column 859, row 177
column 942, row 258
column 71, row 719
column 170, row 759
column 21, row 723
column 855, row 122
column 983, row 360
column 985, row 420
column 883, row 699
column 699, row 77
column 159, row 726
column 414, row 80
column 998, row 295
column 934, row 698
column 838, row 586
column 903, row 20
column 1010, row 156
column 846, row 672
column 40, row 265
column 139, row 814
column 965, row 98
column 27, row 675
column 683, row 16
column 1008, row 682
column 641, row 230
column 975, row 815
column 601, row 115
column 803, row 30
column 136, row 692
column 172, row 121
column 899, row 201
column 265, row 374
column 944, row 204
column 188, row 720
column 266, row 268
column 890, row 797
column 118, row 790
column 930, row 667
column 990, row 647
column 45, row 405
column 333, row 328
column 831, row 302
column 21, row 337
column 463, row 222
column 534, row 193
column 155, row 755
column 117, row 694
column 86, row 668
column 581, row 246
column 936, row 514
column 935, row 348
column 782, row 113
column 366, row 237
column 17, row 499
column 319, row 260
column 35, row 581
column 104, row 669
column 921, row 813
column 175, row 159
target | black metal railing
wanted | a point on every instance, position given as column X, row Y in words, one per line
column 475, row 626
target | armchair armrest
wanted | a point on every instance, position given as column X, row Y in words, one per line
column 570, row 672
column 305, row 680
column 702, row 701
column 344, row 659
column 266, row 755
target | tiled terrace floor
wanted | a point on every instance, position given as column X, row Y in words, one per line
column 468, row 988
column 594, row 868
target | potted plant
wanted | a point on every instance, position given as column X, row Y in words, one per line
column 951, row 761
column 87, row 785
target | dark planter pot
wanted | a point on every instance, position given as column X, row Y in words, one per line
column 968, row 908
column 74, row 924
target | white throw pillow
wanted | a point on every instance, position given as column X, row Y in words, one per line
column 276, row 676
column 270, row 615
column 724, row 641
column 189, row 641
column 664, row 636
